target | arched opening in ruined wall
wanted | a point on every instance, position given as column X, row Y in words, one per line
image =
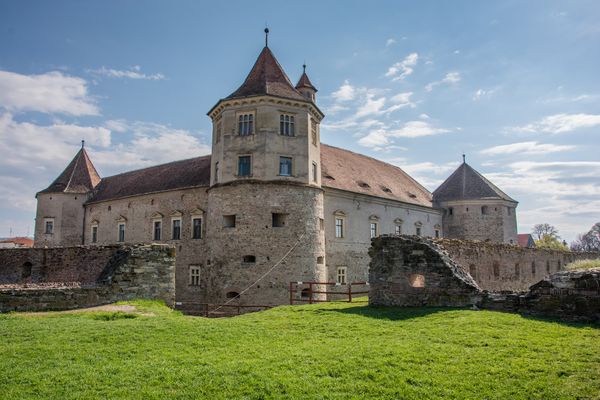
column 417, row 280
column 232, row 295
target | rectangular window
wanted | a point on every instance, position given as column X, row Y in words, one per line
column 244, row 166
column 339, row 227
column 286, row 125
column 196, row 228
column 285, row 166
column 217, row 172
column 321, row 224
column 314, row 171
column 194, row 275
column 49, row 226
column 278, row 220
column 373, row 229
column 313, row 131
column 229, row 221
column 94, row 234
column 246, row 124
column 341, row 275
column 418, row 231
column 157, row 230
column 437, row 233
column 121, row 232
column 398, row 230
column 176, row 229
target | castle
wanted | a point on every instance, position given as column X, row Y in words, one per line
column 270, row 202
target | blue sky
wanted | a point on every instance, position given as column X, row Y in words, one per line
column 512, row 84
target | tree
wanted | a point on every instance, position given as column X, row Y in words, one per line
column 551, row 242
column 589, row 241
column 541, row 230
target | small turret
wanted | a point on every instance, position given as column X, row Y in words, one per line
column 305, row 86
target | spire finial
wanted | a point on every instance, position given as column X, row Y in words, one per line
column 464, row 157
column 266, row 37
column 82, row 143
column 304, row 67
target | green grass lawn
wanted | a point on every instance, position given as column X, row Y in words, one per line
column 334, row 350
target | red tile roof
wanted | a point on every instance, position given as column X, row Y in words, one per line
column 267, row 77
column 193, row 172
column 19, row 241
column 525, row 240
column 467, row 184
column 305, row 82
column 353, row 172
column 80, row 176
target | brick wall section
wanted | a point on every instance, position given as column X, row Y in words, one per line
column 396, row 262
column 69, row 264
column 144, row 271
column 496, row 266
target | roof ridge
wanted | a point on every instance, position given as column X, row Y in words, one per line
column 158, row 165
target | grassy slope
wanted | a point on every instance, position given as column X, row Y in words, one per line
column 322, row 351
column 583, row 264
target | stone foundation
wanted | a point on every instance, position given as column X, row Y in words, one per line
column 145, row 271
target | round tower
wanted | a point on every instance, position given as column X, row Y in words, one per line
column 475, row 208
column 265, row 202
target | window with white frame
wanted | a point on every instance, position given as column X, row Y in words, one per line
column 398, row 229
column 94, row 233
column 285, row 166
column 156, row 230
column 373, row 229
column 286, row 125
column 49, row 226
column 341, row 275
column 176, row 229
column 245, row 124
column 194, row 275
column 339, row 227
column 196, row 228
column 121, row 235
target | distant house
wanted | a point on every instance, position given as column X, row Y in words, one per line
column 525, row 240
column 9, row 243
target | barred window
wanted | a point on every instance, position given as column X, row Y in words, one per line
column 246, row 124
column 286, row 125
column 194, row 275
column 373, row 229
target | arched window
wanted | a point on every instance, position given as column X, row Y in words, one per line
column 417, row 280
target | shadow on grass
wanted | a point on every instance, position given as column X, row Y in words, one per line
column 389, row 313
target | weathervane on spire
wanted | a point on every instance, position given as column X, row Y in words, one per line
column 82, row 143
column 266, row 37
column 304, row 67
column 464, row 157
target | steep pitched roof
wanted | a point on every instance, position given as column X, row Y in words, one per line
column 305, row 82
column 267, row 77
column 346, row 170
column 525, row 240
column 182, row 174
column 468, row 184
column 80, row 176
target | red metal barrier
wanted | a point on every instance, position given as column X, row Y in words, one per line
column 308, row 287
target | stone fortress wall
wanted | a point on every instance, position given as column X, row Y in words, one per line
column 412, row 271
column 74, row 277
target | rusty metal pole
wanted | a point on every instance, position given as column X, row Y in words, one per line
column 291, row 293
column 350, row 293
column 310, row 294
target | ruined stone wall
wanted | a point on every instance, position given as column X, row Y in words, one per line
column 140, row 213
column 496, row 266
column 128, row 273
column 358, row 211
column 240, row 254
column 411, row 271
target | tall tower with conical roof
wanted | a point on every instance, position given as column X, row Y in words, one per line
column 60, row 212
column 475, row 208
column 265, row 197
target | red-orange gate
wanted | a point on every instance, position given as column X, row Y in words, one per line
column 307, row 289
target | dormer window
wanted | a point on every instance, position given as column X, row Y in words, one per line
column 245, row 124
column 286, row 125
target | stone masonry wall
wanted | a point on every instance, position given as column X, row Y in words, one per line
column 145, row 271
column 496, row 266
column 411, row 271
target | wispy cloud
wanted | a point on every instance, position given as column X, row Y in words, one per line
column 451, row 78
column 481, row 94
column 52, row 92
column 345, row 92
column 404, row 68
column 134, row 72
column 559, row 123
column 530, row 148
column 378, row 139
column 390, row 42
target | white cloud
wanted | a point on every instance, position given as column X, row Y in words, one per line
column 484, row 93
column 52, row 92
column 371, row 106
column 134, row 72
column 403, row 99
column 450, row 79
column 404, row 68
column 560, row 123
column 378, row 138
column 390, row 42
column 424, row 116
column 346, row 92
column 527, row 148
